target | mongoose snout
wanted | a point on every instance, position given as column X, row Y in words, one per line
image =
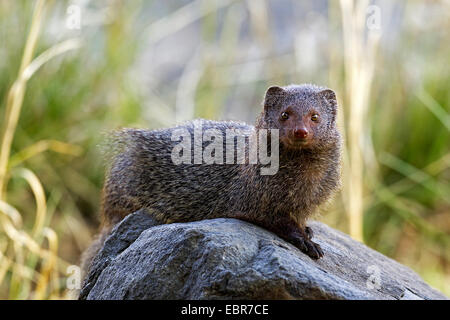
column 301, row 133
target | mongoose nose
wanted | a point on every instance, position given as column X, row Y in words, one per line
column 300, row 133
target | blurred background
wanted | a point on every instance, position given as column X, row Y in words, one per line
column 72, row 70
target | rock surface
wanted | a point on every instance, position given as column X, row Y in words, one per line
column 232, row 259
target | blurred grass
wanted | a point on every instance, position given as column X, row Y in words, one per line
column 151, row 64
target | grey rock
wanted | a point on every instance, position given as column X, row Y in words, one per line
column 232, row 259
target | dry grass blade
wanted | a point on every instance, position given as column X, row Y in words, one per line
column 10, row 218
column 49, row 265
column 183, row 17
column 48, row 54
column 359, row 64
column 42, row 146
column 12, row 213
column 17, row 271
column 39, row 195
column 16, row 94
column 5, row 264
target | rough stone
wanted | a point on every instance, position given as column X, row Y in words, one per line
column 232, row 259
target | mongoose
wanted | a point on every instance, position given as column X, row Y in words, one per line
column 142, row 172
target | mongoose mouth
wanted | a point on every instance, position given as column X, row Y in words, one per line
column 299, row 137
column 296, row 143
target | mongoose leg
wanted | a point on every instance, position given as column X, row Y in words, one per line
column 288, row 230
column 309, row 232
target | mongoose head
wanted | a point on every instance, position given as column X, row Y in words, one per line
column 304, row 114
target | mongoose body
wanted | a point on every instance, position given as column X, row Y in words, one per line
column 177, row 193
column 142, row 172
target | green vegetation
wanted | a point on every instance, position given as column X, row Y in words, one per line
column 150, row 64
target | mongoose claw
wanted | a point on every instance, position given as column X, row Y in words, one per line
column 312, row 249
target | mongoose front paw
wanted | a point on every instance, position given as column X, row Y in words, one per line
column 312, row 249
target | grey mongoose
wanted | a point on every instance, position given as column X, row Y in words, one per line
column 142, row 173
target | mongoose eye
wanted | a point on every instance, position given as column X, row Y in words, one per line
column 315, row 117
column 284, row 116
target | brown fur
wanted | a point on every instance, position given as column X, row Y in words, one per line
column 142, row 174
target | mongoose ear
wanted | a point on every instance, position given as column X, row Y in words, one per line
column 330, row 97
column 275, row 90
column 272, row 95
